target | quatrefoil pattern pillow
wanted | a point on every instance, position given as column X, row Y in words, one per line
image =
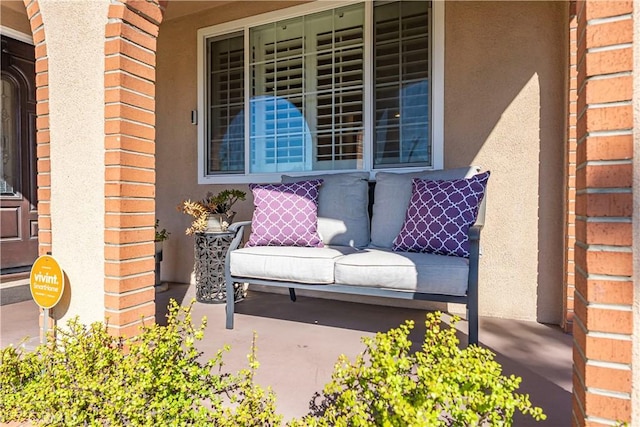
column 440, row 214
column 285, row 214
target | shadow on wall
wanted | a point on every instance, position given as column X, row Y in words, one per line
column 495, row 52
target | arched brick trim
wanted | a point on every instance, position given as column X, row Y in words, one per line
column 130, row 55
column 42, row 126
column 603, row 320
column 43, row 140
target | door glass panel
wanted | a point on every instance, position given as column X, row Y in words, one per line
column 9, row 152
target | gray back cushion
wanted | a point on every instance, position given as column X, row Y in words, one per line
column 343, row 200
column 391, row 200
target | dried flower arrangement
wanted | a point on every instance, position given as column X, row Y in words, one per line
column 212, row 204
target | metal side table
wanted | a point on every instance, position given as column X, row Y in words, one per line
column 210, row 253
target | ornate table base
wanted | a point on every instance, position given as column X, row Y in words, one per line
column 210, row 253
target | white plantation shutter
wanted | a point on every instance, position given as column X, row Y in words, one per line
column 226, row 98
column 280, row 139
column 340, row 86
column 307, row 80
column 402, row 84
column 307, row 74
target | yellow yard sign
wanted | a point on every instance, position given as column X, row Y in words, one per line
column 47, row 281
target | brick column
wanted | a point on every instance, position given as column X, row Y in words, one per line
column 96, row 166
column 570, row 173
column 635, row 378
column 603, row 252
column 130, row 48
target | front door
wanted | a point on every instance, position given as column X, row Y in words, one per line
column 18, row 191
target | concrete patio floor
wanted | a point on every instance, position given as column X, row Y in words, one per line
column 298, row 344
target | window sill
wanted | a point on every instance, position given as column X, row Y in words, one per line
column 274, row 178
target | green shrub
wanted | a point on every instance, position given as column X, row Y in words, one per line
column 87, row 377
column 440, row 385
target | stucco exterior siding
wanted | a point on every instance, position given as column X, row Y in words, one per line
column 541, row 93
column 504, row 110
column 76, row 123
column 176, row 137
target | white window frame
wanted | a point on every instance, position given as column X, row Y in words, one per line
column 16, row 35
column 243, row 25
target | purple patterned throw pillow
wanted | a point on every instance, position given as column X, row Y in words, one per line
column 285, row 214
column 440, row 214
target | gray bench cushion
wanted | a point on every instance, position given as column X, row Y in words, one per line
column 287, row 263
column 422, row 272
column 391, row 199
column 343, row 200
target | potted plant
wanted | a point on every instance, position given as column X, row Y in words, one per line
column 161, row 236
column 213, row 213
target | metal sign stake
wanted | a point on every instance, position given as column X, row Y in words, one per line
column 45, row 322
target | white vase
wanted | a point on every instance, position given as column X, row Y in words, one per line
column 216, row 223
column 219, row 222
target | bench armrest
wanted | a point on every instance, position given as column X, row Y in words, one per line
column 472, row 289
column 238, row 229
column 474, row 232
column 238, row 225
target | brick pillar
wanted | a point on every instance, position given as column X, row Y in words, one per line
column 130, row 57
column 570, row 173
column 96, row 166
column 42, row 136
column 635, row 396
column 603, row 320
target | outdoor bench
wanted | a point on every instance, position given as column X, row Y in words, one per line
column 359, row 223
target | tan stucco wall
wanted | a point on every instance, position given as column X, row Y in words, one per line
column 504, row 98
column 13, row 15
column 176, row 137
column 504, row 102
column 75, row 45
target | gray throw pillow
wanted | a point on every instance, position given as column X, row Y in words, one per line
column 391, row 200
column 343, row 217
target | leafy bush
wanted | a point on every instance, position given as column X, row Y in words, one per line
column 161, row 233
column 87, row 377
column 441, row 385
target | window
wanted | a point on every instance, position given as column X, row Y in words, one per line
column 322, row 87
column 225, row 121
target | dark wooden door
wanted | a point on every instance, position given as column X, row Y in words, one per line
column 18, row 190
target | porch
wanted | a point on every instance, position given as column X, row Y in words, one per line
column 298, row 343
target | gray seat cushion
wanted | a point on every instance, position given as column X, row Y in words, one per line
column 287, row 263
column 391, row 199
column 343, row 200
column 410, row 271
